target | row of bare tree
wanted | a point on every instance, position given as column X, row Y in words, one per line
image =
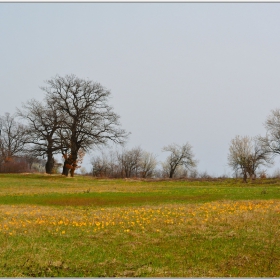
column 18, row 155
column 21, row 148
column 247, row 156
column 75, row 117
column 139, row 163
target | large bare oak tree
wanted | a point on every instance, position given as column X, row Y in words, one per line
column 89, row 120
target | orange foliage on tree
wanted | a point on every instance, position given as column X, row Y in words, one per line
column 8, row 159
column 73, row 164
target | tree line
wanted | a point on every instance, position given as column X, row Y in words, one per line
column 75, row 117
column 136, row 162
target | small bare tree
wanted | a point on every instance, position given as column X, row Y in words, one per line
column 129, row 162
column 147, row 164
column 13, row 138
column 179, row 156
column 246, row 155
column 100, row 166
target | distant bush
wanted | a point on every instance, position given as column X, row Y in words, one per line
column 14, row 167
column 22, row 164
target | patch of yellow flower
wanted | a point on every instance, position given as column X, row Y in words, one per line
column 25, row 219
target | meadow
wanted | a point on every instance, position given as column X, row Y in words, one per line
column 52, row 226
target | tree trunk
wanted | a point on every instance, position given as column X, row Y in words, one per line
column 50, row 164
column 171, row 173
column 245, row 177
column 72, row 171
column 65, row 170
column 74, row 158
column 144, row 174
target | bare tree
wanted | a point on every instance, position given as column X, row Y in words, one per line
column 44, row 128
column 90, row 120
column 179, row 156
column 147, row 164
column 100, row 166
column 246, row 155
column 271, row 142
column 129, row 162
column 13, row 138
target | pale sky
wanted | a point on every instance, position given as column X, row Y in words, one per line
column 178, row 72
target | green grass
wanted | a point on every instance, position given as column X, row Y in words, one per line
column 52, row 226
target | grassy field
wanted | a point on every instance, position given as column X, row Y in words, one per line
column 86, row 227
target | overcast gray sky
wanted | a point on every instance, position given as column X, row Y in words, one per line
column 178, row 72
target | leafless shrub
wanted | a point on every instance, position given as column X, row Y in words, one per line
column 204, row 175
column 262, row 174
column 14, row 165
